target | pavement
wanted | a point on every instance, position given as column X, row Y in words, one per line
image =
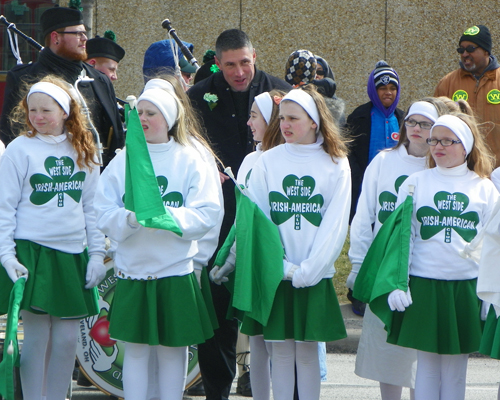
column 483, row 373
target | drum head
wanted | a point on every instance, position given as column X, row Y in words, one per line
column 101, row 358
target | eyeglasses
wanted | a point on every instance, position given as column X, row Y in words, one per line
column 423, row 125
column 79, row 34
column 444, row 142
column 320, row 72
column 469, row 49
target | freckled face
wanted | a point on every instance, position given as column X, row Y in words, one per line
column 295, row 124
column 46, row 115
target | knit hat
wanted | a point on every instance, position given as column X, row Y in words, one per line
column 384, row 75
column 300, row 67
column 208, row 68
column 105, row 47
column 59, row 17
column 478, row 34
column 372, row 90
column 159, row 56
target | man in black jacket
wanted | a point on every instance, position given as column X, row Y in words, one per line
column 63, row 55
column 224, row 100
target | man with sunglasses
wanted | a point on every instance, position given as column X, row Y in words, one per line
column 63, row 55
column 478, row 82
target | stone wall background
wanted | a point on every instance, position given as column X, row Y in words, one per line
column 418, row 38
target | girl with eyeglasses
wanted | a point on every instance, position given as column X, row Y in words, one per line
column 393, row 366
column 439, row 315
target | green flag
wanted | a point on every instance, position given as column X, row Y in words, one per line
column 142, row 195
column 11, row 348
column 385, row 267
column 259, row 260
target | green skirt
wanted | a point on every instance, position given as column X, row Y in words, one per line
column 207, row 296
column 305, row 314
column 169, row 311
column 444, row 317
column 55, row 285
column 490, row 342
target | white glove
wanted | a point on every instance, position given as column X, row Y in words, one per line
column 132, row 220
column 399, row 300
column 14, row 269
column 485, row 308
column 197, row 272
column 288, row 270
column 96, row 271
column 219, row 275
column 351, row 279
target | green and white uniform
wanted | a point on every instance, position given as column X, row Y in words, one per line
column 376, row 359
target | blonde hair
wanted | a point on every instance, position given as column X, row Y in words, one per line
column 76, row 125
column 333, row 143
column 272, row 135
column 480, row 159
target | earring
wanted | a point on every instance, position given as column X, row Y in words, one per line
column 57, row 42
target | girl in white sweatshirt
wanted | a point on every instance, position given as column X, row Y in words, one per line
column 47, row 218
column 303, row 186
column 158, row 301
column 439, row 315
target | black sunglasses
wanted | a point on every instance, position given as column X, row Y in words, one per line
column 469, row 49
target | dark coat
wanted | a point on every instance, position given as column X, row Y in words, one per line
column 359, row 125
column 222, row 126
column 99, row 95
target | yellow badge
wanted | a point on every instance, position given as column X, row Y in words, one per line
column 473, row 30
column 493, row 96
column 460, row 95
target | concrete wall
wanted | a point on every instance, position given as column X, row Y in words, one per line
column 417, row 38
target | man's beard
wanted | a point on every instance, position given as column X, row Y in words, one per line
column 71, row 54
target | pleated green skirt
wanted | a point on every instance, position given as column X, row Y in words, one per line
column 444, row 317
column 490, row 342
column 55, row 285
column 169, row 311
column 305, row 314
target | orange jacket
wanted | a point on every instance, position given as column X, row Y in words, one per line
column 483, row 96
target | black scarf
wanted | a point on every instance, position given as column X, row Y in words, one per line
column 56, row 65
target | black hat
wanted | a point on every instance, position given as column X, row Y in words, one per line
column 59, row 17
column 105, row 47
column 478, row 34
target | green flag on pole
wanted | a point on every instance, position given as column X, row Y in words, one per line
column 385, row 267
column 142, row 195
column 11, row 348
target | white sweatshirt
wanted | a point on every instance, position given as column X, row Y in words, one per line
column 247, row 165
column 451, row 205
column 307, row 194
column 190, row 193
column 46, row 198
column 2, row 148
column 383, row 177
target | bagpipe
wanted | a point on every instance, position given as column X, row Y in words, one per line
column 171, row 31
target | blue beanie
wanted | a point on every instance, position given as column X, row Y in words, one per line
column 159, row 56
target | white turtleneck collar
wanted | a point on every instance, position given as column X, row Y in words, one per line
column 459, row 170
column 52, row 139
column 305, row 150
column 160, row 147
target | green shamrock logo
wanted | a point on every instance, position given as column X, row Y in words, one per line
column 449, row 215
column 387, row 200
column 172, row 199
column 297, row 202
column 60, row 181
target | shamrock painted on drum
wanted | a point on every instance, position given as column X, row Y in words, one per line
column 60, row 181
column 297, row 202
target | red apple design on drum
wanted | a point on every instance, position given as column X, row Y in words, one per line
column 100, row 332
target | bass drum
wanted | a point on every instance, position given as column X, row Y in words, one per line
column 101, row 358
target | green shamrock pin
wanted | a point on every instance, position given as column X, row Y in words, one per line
column 172, row 199
column 60, row 181
column 387, row 200
column 297, row 202
column 449, row 215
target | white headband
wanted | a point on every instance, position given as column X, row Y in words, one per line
column 459, row 128
column 166, row 102
column 423, row 108
column 306, row 101
column 59, row 95
column 159, row 84
column 265, row 104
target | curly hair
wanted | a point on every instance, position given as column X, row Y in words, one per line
column 76, row 125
